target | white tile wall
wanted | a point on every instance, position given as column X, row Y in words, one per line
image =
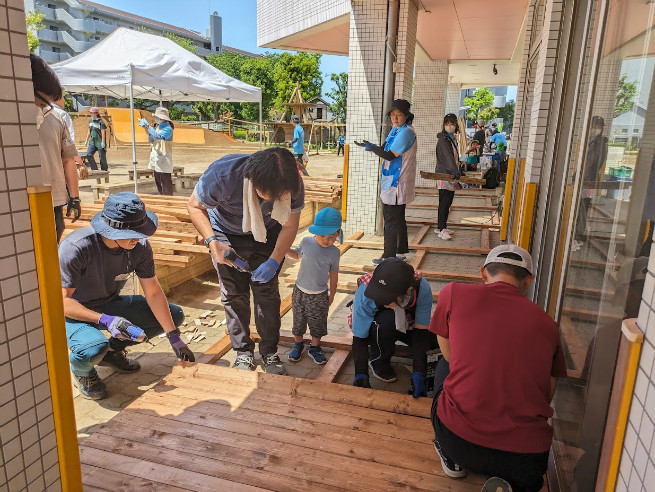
column 26, row 423
column 453, row 97
column 405, row 49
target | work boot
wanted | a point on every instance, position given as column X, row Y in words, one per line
column 119, row 361
column 91, row 386
column 245, row 362
column 384, row 372
column 273, row 364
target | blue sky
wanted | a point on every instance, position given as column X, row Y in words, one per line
column 239, row 23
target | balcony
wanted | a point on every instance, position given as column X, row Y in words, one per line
column 74, row 44
column 49, row 36
column 75, row 24
column 52, row 57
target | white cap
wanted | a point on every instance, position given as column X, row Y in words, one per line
column 524, row 262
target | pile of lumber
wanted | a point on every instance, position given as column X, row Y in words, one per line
column 178, row 248
column 322, row 190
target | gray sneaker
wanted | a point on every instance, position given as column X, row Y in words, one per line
column 273, row 364
column 91, row 387
column 245, row 362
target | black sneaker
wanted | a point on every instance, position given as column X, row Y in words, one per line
column 450, row 468
column 495, row 484
column 273, row 364
column 91, row 386
column 245, row 362
column 119, row 361
column 384, row 372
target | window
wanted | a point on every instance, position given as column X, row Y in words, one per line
column 97, row 38
column 52, row 6
column 95, row 18
column 635, row 130
column 54, row 28
column 55, row 49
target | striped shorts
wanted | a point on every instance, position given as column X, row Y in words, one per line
column 310, row 310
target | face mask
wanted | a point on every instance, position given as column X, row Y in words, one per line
column 450, row 128
column 595, row 132
column 157, row 120
column 404, row 301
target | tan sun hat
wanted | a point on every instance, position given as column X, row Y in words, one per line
column 162, row 114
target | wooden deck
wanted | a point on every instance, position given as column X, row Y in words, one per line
column 210, row 428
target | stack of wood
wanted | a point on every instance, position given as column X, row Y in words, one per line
column 178, row 248
column 322, row 190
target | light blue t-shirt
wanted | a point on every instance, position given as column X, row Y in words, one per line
column 316, row 264
column 299, row 137
column 498, row 137
column 399, row 140
column 364, row 309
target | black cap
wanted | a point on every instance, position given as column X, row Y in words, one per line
column 450, row 117
column 390, row 280
column 402, row 105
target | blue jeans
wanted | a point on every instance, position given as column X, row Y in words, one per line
column 92, row 162
column 88, row 346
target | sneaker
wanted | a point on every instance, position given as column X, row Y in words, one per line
column 384, row 372
column 401, row 257
column 91, row 387
column 377, row 261
column 495, row 484
column 119, row 361
column 444, row 235
column 316, row 353
column 449, row 231
column 296, row 351
column 273, row 364
column 245, row 362
column 450, row 468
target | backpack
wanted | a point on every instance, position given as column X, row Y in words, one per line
column 492, row 177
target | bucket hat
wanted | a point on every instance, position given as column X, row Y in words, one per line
column 94, row 110
column 295, row 118
column 494, row 256
column 390, row 280
column 326, row 222
column 402, row 105
column 162, row 114
column 124, row 216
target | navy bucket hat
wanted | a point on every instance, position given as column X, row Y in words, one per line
column 124, row 216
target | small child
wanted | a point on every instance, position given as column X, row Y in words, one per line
column 311, row 300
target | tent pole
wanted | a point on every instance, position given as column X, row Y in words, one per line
column 133, row 135
column 261, row 127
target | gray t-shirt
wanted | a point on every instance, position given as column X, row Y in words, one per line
column 96, row 272
column 316, row 264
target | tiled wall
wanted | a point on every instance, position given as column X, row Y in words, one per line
column 405, row 48
column 368, row 26
column 430, row 82
column 277, row 19
column 453, row 97
column 27, row 435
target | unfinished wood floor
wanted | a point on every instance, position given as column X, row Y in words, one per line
column 211, row 428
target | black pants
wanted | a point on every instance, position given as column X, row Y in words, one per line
column 395, row 230
column 235, row 294
column 164, row 183
column 380, row 345
column 446, row 198
column 581, row 223
column 59, row 221
column 340, row 149
column 91, row 160
column 523, row 471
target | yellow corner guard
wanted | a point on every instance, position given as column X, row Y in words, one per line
column 509, row 181
column 54, row 330
column 527, row 215
column 344, row 187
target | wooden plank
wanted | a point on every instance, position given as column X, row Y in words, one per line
column 452, row 207
column 333, row 366
column 96, row 478
column 216, row 351
column 419, row 235
column 418, row 258
column 485, row 238
column 430, row 274
column 448, row 177
column 443, row 249
column 591, row 315
column 183, row 216
column 455, row 225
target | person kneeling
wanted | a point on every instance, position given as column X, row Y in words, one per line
column 494, row 384
column 391, row 304
column 95, row 263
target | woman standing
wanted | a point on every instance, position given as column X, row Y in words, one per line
column 447, row 163
column 398, row 177
column 161, row 155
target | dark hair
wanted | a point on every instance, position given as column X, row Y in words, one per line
column 44, row 78
column 273, row 172
column 446, row 118
column 597, row 122
column 519, row 273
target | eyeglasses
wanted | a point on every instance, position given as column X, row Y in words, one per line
column 43, row 99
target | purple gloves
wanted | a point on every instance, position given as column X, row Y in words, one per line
column 122, row 329
column 266, row 271
column 182, row 351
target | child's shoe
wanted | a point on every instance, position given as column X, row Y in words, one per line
column 317, row 354
column 296, row 351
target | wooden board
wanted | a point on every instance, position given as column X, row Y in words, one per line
column 208, row 428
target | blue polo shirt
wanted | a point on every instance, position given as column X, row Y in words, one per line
column 220, row 191
column 299, row 137
column 399, row 140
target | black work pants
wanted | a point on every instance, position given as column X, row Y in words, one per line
column 395, row 230
column 59, row 221
column 446, row 198
column 380, row 345
column 164, row 182
column 581, row 223
column 340, row 149
column 524, row 471
column 235, row 294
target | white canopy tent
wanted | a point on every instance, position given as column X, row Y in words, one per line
column 129, row 64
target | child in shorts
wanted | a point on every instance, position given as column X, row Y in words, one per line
column 311, row 297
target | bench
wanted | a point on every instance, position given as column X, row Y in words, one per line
column 99, row 176
column 140, row 173
column 178, row 171
column 109, row 188
column 188, row 180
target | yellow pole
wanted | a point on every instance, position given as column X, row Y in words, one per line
column 54, row 330
column 509, row 181
column 527, row 216
column 344, row 188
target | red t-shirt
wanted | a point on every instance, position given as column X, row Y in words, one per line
column 503, row 351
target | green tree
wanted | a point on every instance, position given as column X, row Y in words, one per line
column 185, row 43
column 291, row 69
column 625, row 96
column 258, row 72
column 482, row 97
column 507, row 114
column 489, row 113
column 339, row 95
column 175, row 112
column 34, row 22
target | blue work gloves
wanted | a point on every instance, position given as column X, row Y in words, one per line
column 418, row 384
column 122, row 329
column 368, row 146
column 103, row 145
column 361, row 381
column 266, row 271
column 144, row 123
column 182, row 351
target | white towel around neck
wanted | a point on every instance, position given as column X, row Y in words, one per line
column 253, row 220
